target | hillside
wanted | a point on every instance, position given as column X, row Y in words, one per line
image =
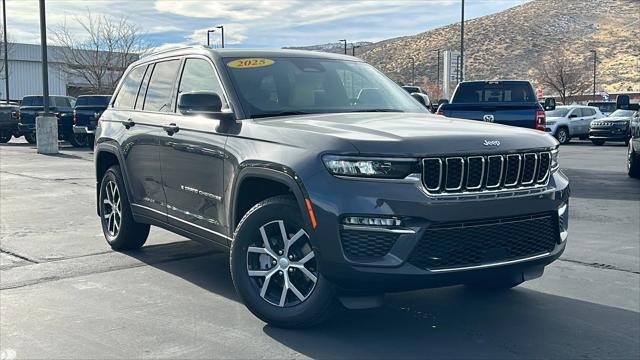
column 510, row 43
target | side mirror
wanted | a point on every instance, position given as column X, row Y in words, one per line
column 443, row 101
column 549, row 104
column 420, row 99
column 622, row 102
column 199, row 103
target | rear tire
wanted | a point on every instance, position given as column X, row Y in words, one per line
column 633, row 162
column 30, row 137
column 598, row 142
column 563, row 135
column 77, row 140
column 118, row 226
column 280, row 284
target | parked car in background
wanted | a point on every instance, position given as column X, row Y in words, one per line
column 571, row 121
column 413, row 89
column 508, row 102
column 8, row 122
column 420, row 95
column 86, row 114
column 614, row 127
column 606, row 107
column 633, row 153
column 337, row 191
column 60, row 106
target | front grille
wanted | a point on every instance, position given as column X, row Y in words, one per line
column 455, row 245
column 358, row 244
column 443, row 175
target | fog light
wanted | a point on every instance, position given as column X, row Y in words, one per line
column 371, row 221
column 563, row 222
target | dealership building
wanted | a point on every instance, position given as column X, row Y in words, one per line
column 25, row 73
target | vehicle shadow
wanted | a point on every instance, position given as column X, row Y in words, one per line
column 449, row 322
column 607, row 185
column 590, row 144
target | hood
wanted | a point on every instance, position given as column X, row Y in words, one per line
column 414, row 134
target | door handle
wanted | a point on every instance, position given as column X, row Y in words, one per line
column 171, row 128
column 128, row 123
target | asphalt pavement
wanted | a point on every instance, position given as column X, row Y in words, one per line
column 65, row 294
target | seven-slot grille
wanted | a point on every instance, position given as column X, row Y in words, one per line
column 456, row 174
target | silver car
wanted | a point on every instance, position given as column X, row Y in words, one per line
column 571, row 121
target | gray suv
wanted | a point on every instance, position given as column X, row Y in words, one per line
column 328, row 182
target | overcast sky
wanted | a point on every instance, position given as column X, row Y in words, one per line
column 256, row 23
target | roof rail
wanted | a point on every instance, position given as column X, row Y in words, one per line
column 173, row 48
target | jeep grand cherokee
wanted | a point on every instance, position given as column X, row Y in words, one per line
column 327, row 181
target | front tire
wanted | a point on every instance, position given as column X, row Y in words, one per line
column 274, row 269
column 78, row 140
column 563, row 136
column 633, row 162
column 118, row 226
column 30, row 137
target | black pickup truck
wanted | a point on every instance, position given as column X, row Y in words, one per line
column 8, row 122
column 60, row 106
column 86, row 114
column 510, row 102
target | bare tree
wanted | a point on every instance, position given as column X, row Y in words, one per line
column 565, row 74
column 99, row 54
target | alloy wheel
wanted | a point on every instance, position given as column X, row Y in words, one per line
column 112, row 208
column 562, row 136
column 281, row 264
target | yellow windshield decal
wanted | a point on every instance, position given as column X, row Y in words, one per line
column 249, row 63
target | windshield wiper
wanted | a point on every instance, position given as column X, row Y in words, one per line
column 281, row 113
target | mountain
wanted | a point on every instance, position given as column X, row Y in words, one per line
column 511, row 43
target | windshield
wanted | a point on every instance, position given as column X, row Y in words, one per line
column 93, row 101
column 558, row 112
column 290, row 86
column 622, row 113
column 604, row 107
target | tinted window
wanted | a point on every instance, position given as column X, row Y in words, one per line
column 269, row 87
column 159, row 97
column 32, row 101
column 494, row 92
column 60, row 101
column 93, row 101
column 198, row 75
column 129, row 91
column 604, row 106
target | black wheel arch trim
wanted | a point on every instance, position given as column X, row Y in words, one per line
column 274, row 172
column 113, row 148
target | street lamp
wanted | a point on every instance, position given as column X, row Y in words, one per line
column 595, row 61
column 214, row 30
column 461, row 78
column 438, row 69
column 345, row 45
column 353, row 49
column 413, row 71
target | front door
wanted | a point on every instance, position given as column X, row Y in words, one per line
column 192, row 153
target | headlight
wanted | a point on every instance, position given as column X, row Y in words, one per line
column 370, row 167
column 551, row 122
column 554, row 160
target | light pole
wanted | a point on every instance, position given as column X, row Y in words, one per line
column 214, row 30
column 345, row 45
column 221, row 27
column 353, row 49
column 46, row 124
column 208, row 40
column 6, row 52
column 461, row 78
column 595, row 62
column 438, row 70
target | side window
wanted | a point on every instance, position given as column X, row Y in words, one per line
column 198, row 75
column 590, row 112
column 158, row 96
column 126, row 97
column 143, row 88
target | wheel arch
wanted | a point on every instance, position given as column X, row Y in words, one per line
column 279, row 177
column 107, row 154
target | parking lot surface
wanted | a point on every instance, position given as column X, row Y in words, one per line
column 65, row 294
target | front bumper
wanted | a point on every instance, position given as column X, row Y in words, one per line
column 83, row 130
column 609, row 134
column 420, row 214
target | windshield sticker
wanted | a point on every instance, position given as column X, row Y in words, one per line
column 249, row 63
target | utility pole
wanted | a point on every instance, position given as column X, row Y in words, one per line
column 413, row 71
column 345, row 45
column 595, row 62
column 46, row 123
column 6, row 51
column 461, row 78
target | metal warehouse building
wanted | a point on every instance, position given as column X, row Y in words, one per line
column 25, row 73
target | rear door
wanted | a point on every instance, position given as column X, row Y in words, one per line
column 193, row 159
column 588, row 115
column 139, row 145
column 575, row 121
